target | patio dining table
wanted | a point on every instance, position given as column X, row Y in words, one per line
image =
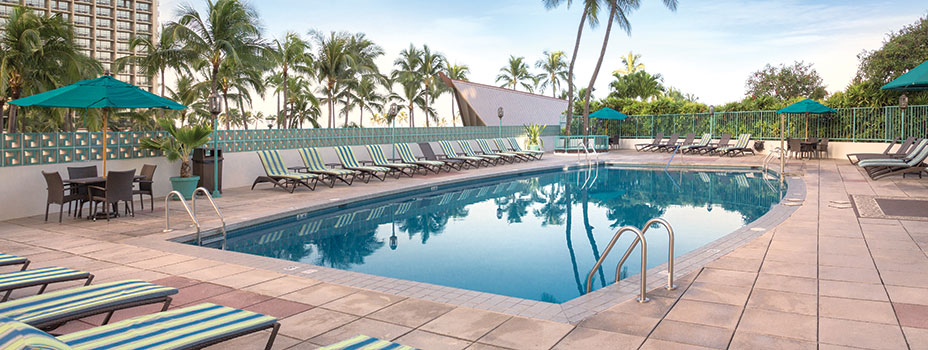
column 811, row 146
column 85, row 182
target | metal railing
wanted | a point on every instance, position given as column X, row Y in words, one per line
column 574, row 143
column 167, row 212
column 642, row 297
column 222, row 219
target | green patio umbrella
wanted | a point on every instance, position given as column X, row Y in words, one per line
column 914, row 80
column 103, row 92
column 805, row 107
column 608, row 113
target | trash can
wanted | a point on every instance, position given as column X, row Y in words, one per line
column 203, row 167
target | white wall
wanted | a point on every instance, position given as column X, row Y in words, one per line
column 24, row 191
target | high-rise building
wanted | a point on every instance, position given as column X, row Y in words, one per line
column 102, row 28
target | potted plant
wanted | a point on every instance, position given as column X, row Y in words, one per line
column 533, row 135
column 178, row 146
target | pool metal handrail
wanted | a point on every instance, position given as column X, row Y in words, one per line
column 167, row 213
column 642, row 298
column 670, row 285
column 222, row 219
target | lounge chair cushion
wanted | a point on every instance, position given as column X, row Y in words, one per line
column 20, row 336
column 6, row 259
column 407, row 156
column 185, row 327
column 19, row 279
column 62, row 304
column 366, row 343
column 314, row 164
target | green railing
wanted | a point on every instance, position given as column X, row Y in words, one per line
column 849, row 124
column 51, row 148
column 573, row 143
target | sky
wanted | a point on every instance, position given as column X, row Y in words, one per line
column 705, row 48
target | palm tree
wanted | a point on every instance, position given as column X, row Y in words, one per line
column 154, row 57
column 188, row 92
column 407, row 74
column 555, row 71
column 238, row 82
column 37, row 53
column 456, row 72
column 516, row 73
column 332, row 65
column 632, row 64
column 618, row 10
column 368, row 98
column 293, row 53
column 590, row 13
column 363, row 52
column 229, row 33
column 429, row 65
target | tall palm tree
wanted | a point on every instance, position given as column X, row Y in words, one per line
column 37, row 53
column 429, row 65
column 555, row 71
column 618, row 10
column 229, row 32
column 188, row 92
column 589, row 14
column 363, row 52
column 456, row 72
column 632, row 63
column 290, row 54
column 332, row 65
column 238, row 82
column 515, row 73
column 407, row 74
column 154, row 57
column 368, row 98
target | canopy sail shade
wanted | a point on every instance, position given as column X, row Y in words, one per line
column 914, row 80
column 104, row 92
column 608, row 113
column 805, row 107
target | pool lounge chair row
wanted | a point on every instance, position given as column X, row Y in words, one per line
column 703, row 146
column 912, row 162
column 349, row 168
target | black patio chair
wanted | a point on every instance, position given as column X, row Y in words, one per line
column 58, row 193
column 145, row 185
column 82, row 172
column 118, row 188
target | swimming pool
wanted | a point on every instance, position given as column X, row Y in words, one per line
column 533, row 236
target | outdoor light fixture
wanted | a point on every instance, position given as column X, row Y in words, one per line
column 215, row 107
column 393, row 242
column 903, row 102
column 499, row 113
column 711, row 110
column 394, row 110
column 391, row 114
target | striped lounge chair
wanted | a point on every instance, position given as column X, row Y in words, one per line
column 468, row 151
column 503, row 146
column 278, row 174
column 451, row 154
column 346, row 156
column 696, row 147
column 366, row 343
column 11, row 260
column 516, row 147
column 714, row 147
column 380, row 160
column 52, row 309
column 11, row 281
column 740, row 147
column 427, row 165
column 314, row 165
column 191, row 327
column 880, row 168
column 486, row 150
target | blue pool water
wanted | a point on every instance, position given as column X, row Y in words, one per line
column 534, row 236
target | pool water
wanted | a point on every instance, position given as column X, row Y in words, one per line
column 534, row 236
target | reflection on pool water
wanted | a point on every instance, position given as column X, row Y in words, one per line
column 533, row 237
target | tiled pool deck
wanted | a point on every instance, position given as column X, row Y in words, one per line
column 822, row 278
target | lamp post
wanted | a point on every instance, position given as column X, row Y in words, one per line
column 391, row 114
column 499, row 113
column 215, row 107
column 903, row 104
column 711, row 120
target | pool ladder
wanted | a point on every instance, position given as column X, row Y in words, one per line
column 193, row 213
column 643, row 297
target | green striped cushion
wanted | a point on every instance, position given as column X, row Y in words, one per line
column 346, row 156
column 20, row 336
column 470, row 151
column 186, row 327
column 366, row 343
column 38, row 309
column 517, row 147
column 373, row 169
column 405, row 153
column 881, row 162
column 379, row 159
column 314, row 163
column 19, row 279
column 485, row 147
column 7, row 259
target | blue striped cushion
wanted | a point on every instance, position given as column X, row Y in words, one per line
column 7, row 259
column 38, row 309
column 363, row 342
column 186, row 327
column 19, row 336
column 18, row 279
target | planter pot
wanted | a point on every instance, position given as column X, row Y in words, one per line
column 185, row 185
column 534, row 147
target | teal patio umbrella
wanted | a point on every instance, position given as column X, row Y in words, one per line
column 104, row 92
column 914, row 80
column 804, row 107
column 608, row 113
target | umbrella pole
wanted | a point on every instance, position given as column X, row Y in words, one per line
column 782, row 146
column 104, row 142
